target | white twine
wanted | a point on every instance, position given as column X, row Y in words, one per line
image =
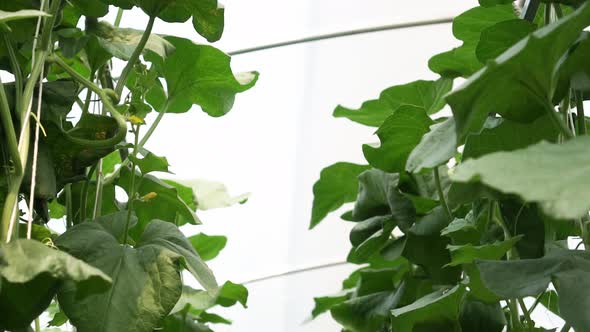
column 25, row 127
column 35, row 154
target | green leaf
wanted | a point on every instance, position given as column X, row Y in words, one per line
column 366, row 313
column 92, row 8
column 399, row 135
column 520, row 83
column 575, row 71
column 121, row 42
column 146, row 281
column 466, row 254
column 206, row 80
column 511, row 172
column 462, row 231
column 31, row 275
column 151, row 163
column 180, row 322
column 566, row 269
column 373, row 244
column 499, row 37
column 208, row 247
column 364, row 229
column 441, row 308
column 167, row 235
column 325, row 303
column 378, row 195
column 20, row 15
column 206, row 317
column 468, row 27
column 193, row 300
column 525, row 220
column 213, row 195
column 166, row 205
column 208, row 15
column 492, row 137
column 337, row 185
column 550, row 300
column 425, row 95
column 435, row 148
column 482, row 317
column 230, row 294
column 429, row 252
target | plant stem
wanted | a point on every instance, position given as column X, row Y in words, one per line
column 98, row 195
column 565, row 328
column 69, row 213
column 119, row 17
column 18, row 74
column 514, row 315
column 11, row 141
column 37, row 325
column 581, row 117
column 132, row 190
column 526, row 313
column 134, row 56
column 566, row 132
column 441, row 194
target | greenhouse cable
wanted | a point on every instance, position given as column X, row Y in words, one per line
column 343, row 34
column 294, row 272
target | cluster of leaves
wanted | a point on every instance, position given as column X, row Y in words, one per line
column 458, row 219
column 118, row 265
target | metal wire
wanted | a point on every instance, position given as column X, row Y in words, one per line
column 343, row 34
column 294, row 272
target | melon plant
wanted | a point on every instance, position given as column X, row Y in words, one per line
column 471, row 212
column 72, row 148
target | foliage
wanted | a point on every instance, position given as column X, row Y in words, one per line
column 118, row 266
column 460, row 249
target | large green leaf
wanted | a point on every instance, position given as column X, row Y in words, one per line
column 206, row 80
column 167, row 235
column 566, row 269
column 426, row 95
column 338, row 184
column 121, row 42
column 435, row 148
column 505, row 135
column 440, row 309
column 146, row 281
column 399, row 135
column 562, row 195
column 32, row 273
column 501, row 36
column 519, row 84
column 462, row 61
